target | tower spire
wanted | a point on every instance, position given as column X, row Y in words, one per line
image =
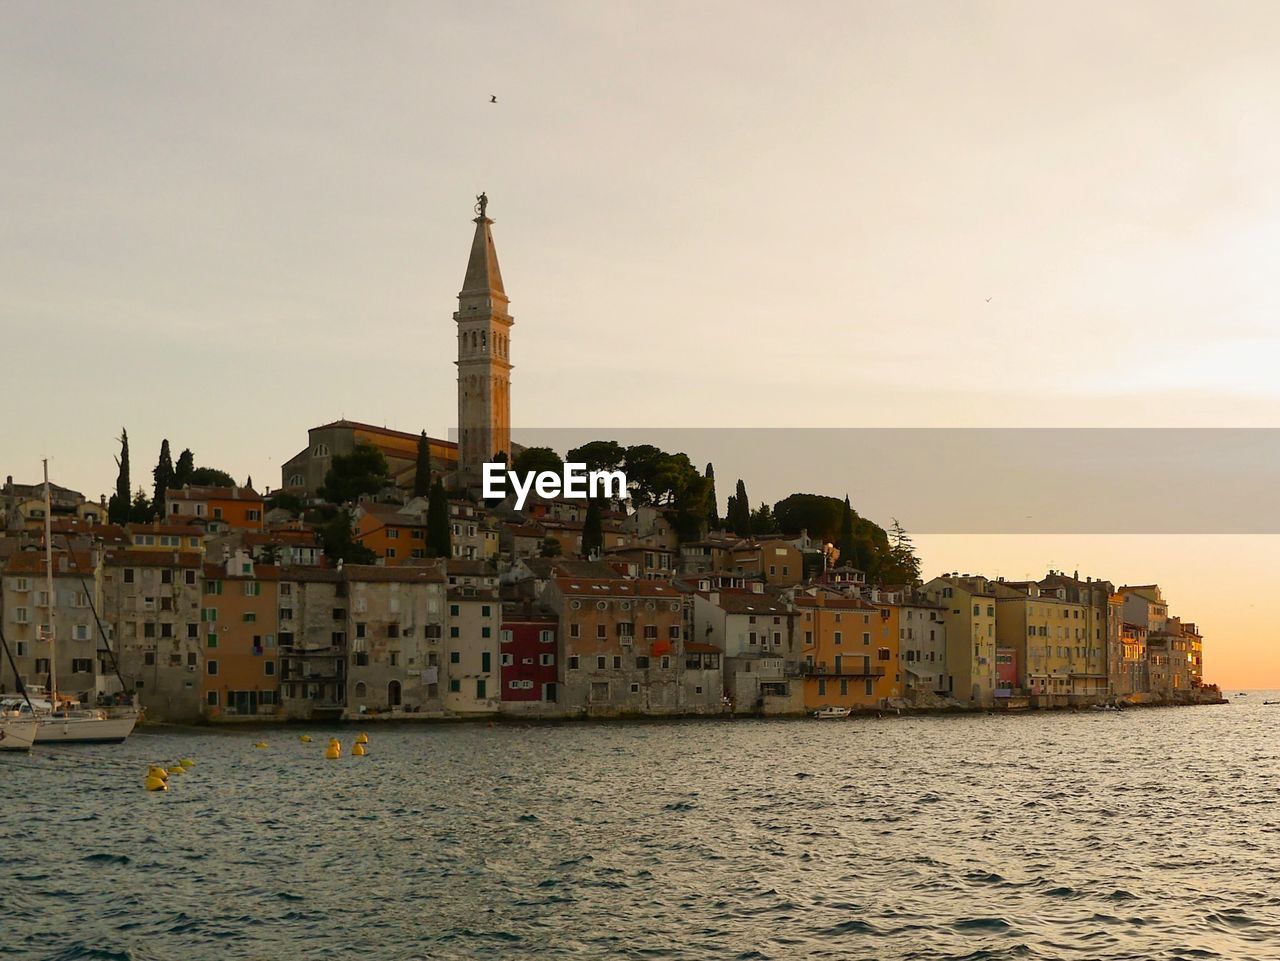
column 484, row 367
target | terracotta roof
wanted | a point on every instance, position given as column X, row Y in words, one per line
column 604, row 587
column 369, row 428
column 697, row 647
column 746, row 602
column 189, row 493
column 155, row 527
column 153, row 558
column 33, row 562
column 836, row 603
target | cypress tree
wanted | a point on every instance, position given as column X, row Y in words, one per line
column 121, row 501
column 741, row 520
column 713, row 505
column 439, row 543
column 848, row 549
column 185, row 468
column 422, row 472
column 164, row 475
column 592, row 532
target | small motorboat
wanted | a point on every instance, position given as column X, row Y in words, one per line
column 1271, row 702
column 1104, row 707
column 832, row 713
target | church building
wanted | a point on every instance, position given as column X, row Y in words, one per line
column 484, row 391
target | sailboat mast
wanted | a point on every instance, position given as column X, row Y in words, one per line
column 48, row 579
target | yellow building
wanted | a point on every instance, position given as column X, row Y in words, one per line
column 851, row 652
column 1049, row 637
column 968, row 607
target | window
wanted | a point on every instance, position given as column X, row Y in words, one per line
column 211, row 640
column 600, row 663
column 642, row 662
column 547, row 637
column 673, row 632
column 839, row 637
column 20, row 615
column 248, row 617
column 213, row 667
column 189, row 577
column 455, row 686
column 573, row 662
column 166, row 576
column 252, row 589
column 81, row 665
column 508, row 660
column 213, row 587
column 455, row 657
column 453, row 610
column 486, row 661
column 546, row 660
column 339, row 613
column 601, row 632
column 193, row 632
column 480, row 689
column 270, row 668
column 617, row 663
column 128, row 575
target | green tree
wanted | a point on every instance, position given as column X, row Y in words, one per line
column 713, row 505
column 598, row 455
column 592, row 532
column 211, row 477
column 536, row 460
column 340, row 545
column 183, row 470
column 362, row 472
column 283, row 500
column 140, row 509
column 740, row 522
column 900, row 565
column 550, row 547
column 763, row 521
column 164, row 477
column 439, row 541
column 422, row 469
column 118, row 507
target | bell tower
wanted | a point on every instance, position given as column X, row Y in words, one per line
column 484, row 365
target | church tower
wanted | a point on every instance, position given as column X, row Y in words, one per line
column 484, row 368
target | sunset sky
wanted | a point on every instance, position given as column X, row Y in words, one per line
column 224, row 224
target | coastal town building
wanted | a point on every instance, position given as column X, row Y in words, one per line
column 850, row 650
column 240, row 675
column 968, row 605
column 472, row 651
column 221, row 508
column 529, row 658
column 84, row 670
column 756, row 631
column 304, row 472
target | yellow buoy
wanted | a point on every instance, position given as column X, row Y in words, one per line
column 358, row 750
column 332, row 752
column 187, row 762
column 261, row 744
column 177, row 769
column 305, row 738
column 154, row 783
column 159, row 772
column 362, row 738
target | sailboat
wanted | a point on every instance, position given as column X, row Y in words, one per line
column 17, row 732
column 57, row 720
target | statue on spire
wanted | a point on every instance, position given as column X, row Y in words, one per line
column 482, row 203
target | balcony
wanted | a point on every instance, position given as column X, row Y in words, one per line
column 855, row 669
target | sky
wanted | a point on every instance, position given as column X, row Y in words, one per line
column 224, row 224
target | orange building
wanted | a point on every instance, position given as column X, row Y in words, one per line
column 851, row 652
column 394, row 537
column 239, row 628
column 239, row 508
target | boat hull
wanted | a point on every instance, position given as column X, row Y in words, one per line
column 17, row 734
column 108, row 730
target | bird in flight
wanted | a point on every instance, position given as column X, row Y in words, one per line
column 493, row 98
column 988, row 300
